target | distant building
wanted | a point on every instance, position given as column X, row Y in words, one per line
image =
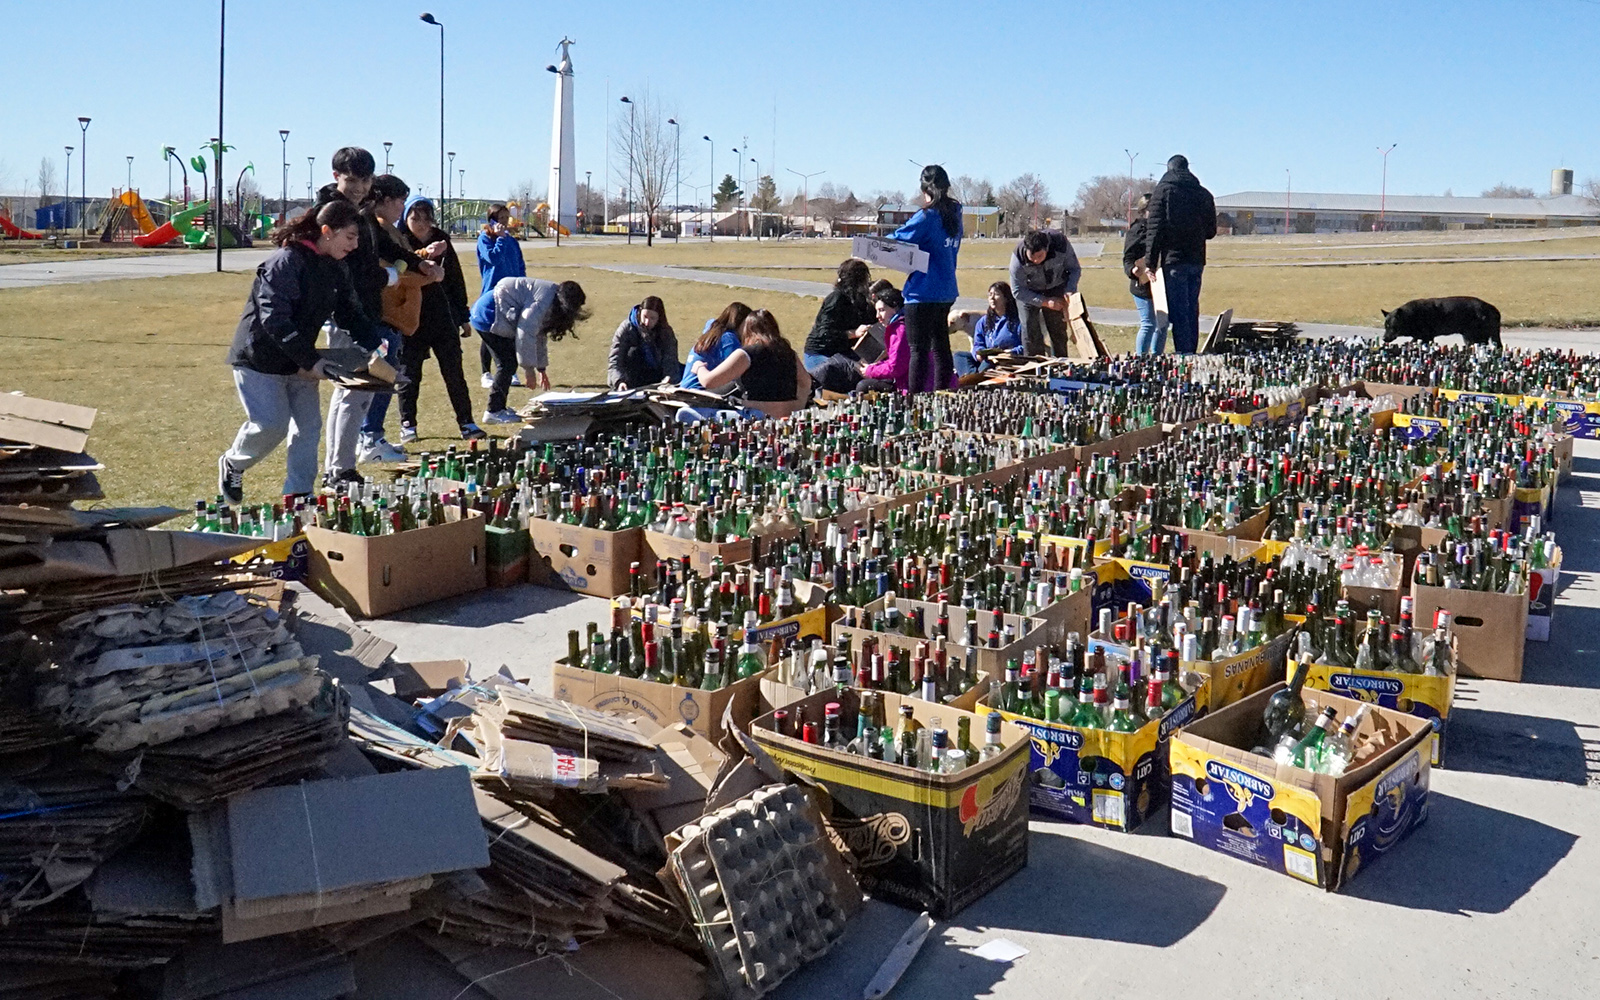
column 1263, row 212
column 976, row 220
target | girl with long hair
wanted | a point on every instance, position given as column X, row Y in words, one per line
column 997, row 331
column 644, row 350
column 766, row 367
column 936, row 231
column 719, row 339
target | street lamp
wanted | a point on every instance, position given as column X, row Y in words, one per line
column 677, row 161
column 130, row 173
column 711, row 214
column 556, row 197
column 386, row 147
column 430, row 19
column 588, row 189
column 65, row 219
column 83, row 177
column 1288, row 188
column 283, row 206
column 738, row 197
column 452, row 156
column 1383, row 197
column 461, row 184
column 805, row 194
column 222, row 141
column 629, row 103
column 311, row 169
column 1131, row 158
column 753, row 201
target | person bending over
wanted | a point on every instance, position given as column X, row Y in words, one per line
column 517, row 320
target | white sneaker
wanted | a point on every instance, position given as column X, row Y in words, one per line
column 488, row 381
column 382, row 451
column 516, row 380
column 408, row 433
column 507, row 416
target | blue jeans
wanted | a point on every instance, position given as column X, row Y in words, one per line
column 393, row 343
column 966, row 362
column 1150, row 339
column 1183, row 305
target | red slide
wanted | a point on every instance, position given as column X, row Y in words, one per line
column 159, row 236
column 12, row 230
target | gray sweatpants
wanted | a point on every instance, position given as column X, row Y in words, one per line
column 347, row 411
column 276, row 406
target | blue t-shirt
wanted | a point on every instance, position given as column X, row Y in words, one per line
column 938, row 282
column 725, row 345
column 1003, row 334
column 482, row 314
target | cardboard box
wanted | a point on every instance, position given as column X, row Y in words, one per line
column 1488, row 628
column 991, row 663
column 1542, row 599
column 508, row 551
column 1232, row 678
column 376, row 576
column 925, row 841
column 1315, row 827
column 1414, row 694
column 896, row 256
column 1094, row 776
column 287, row 559
column 584, row 560
column 663, row 704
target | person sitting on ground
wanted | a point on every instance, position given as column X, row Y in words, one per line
column 499, row 256
column 839, row 321
column 894, row 370
column 997, row 331
column 770, row 373
column 644, row 350
column 441, row 324
column 1044, row 271
column 517, row 320
column 274, row 355
column 719, row 339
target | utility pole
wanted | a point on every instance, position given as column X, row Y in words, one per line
column 1288, row 187
column 805, row 196
column 283, row 209
column 629, row 221
column 1383, row 196
column 443, row 177
column 711, row 214
column 222, row 52
column 677, row 161
column 1131, row 158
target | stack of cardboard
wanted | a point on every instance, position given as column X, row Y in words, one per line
column 41, row 452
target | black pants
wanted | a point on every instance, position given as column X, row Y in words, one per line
column 837, row 374
column 486, row 358
column 504, row 350
column 1037, row 322
column 445, row 346
column 928, row 330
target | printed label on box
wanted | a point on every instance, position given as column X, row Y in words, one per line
column 1380, row 813
column 1231, row 809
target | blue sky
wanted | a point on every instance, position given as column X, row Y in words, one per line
column 1473, row 92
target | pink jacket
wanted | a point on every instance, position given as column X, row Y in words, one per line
column 896, row 364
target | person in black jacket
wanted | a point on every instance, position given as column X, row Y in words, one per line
column 829, row 356
column 644, row 350
column 1150, row 339
column 1182, row 217
column 443, row 324
column 274, row 354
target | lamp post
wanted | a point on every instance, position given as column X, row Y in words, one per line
column 65, row 219
column 556, row 194
column 461, row 184
column 711, row 215
column 386, row 147
column 1383, row 196
column 1288, row 187
column 1131, row 158
column 753, row 201
column 166, row 154
column 452, row 156
column 311, row 170
column 283, row 205
column 677, row 162
column 130, row 173
column 738, row 198
column 629, row 103
column 588, row 190
column 805, row 194
column 443, row 183
column 83, row 177
column 222, row 54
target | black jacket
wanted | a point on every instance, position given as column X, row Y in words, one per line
column 1182, row 217
column 841, row 313
column 295, row 291
column 630, row 364
column 1133, row 248
column 444, row 303
column 365, row 262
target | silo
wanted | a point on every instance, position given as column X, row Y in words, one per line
column 1560, row 182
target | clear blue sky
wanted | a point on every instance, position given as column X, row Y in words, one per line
column 1474, row 92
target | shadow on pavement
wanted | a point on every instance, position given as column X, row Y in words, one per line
column 1521, row 746
column 1467, row 858
column 1572, row 656
column 493, row 607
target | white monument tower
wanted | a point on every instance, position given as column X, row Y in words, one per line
column 563, row 168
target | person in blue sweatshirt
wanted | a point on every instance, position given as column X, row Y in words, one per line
column 719, row 339
column 499, row 256
column 998, row 329
column 936, row 231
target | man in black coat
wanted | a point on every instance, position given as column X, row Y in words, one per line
column 1183, row 216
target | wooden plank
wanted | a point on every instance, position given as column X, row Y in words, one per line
column 1082, row 338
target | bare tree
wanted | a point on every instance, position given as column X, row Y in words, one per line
column 647, row 153
column 1589, row 190
column 1024, row 203
column 1504, row 190
column 880, row 198
column 1108, row 197
column 47, row 178
column 972, row 191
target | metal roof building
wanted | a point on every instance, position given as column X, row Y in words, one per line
column 1264, row 212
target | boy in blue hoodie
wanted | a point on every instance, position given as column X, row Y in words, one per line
column 499, row 256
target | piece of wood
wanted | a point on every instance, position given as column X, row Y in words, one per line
column 900, row 958
column 1083, row 341
column 1158, row 298
column 1219, row 333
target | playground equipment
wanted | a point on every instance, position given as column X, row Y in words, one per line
column 181, row 224
column 123, row 207
column 542, row 213
column 15, row 231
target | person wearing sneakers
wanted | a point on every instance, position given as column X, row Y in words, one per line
column 499, row 256
column 274, row 354
column 443, row 322
column 517, row 319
